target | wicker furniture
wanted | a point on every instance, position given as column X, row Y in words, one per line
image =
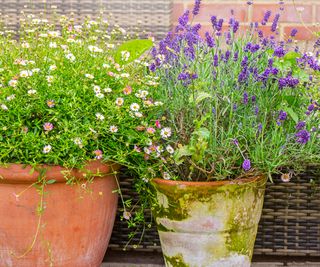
column 151, row 16
column 289, row 226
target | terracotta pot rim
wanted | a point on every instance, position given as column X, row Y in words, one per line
column 22, row 173
column 253, row 179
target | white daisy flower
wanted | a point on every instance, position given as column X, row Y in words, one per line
column 134, row 107
column 119, row 101
column 100, row 95
column 25, row 73
column 4, row 107
column 43, row 35
column 125, row 75
column 166, row 176
column 32, row 92
column 106, row 66
column 13, row 83
column 113, row 128
column 78, row 142
column 89, row 76
column 46, row 149
column 147, row 151
column 53, row 67
column 165, row 132
column 37, row 70
column 125, row 55
column 54, row 34
column 95, row 49
column 107, row 90
column 99, row 116
column 96, row 89
column 158, row 103
column 71, row 57
column 25, row 45
column 110, row 45
column 11, row 97
column 138, row 114
column 170, row 149
column 49, row 79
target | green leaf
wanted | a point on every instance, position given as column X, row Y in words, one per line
column 52, row 181
column 136, row 48
column 181, row 152
column 202, row 96
column 202, row 132
column 291, row 55
column 293, row 115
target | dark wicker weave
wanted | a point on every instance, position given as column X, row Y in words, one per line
column 290, row 223
column 151, row 16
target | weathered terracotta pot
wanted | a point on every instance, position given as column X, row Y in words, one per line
column 208, row 224
column 75, row 225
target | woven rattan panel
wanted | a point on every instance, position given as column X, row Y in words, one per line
column 151, row 16
column 290, row 223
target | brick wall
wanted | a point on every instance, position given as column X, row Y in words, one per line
column 292, row 16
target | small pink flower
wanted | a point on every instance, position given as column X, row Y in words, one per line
column 50, row 103
column 98, row 154
column 137, row 149
column 48, row 126
column 126, row 215
column 158, row 124
column 151, row 130
column 127, row 90
column 111, row 74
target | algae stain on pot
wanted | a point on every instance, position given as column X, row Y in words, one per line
column 208, row 225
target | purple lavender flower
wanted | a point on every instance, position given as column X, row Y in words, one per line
column 246, row 165
column 275, row 22
column 279, row 52
column 236, row 56
column 215, row 60
column 227, row 55
column 235, row 26
column 244, row 61
column 235, row 107
column 250, row 3
column 196, row 7
column 282, row 115
column 303, row 137
column 209, row 39
column 152, row 67
column 266, row 17
column 256, row 110
column 288, row 81
column 259, row 127
column 311, row 107
column 293, row 32
column 253, row 98
column 219, row 25
column 300, row 125
column 236, row 142
column 214, row 21
column 245, row 98
column 260, row 34
column 183, row 20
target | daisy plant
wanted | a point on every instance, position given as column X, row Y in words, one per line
column 71, row 93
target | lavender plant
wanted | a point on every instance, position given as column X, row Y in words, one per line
column 235, row 103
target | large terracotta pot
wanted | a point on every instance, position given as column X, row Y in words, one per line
column 76, row 223
column 208, row 224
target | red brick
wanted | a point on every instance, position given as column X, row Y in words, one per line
column 318, row 13
column 289, row 14
column 303, row 33
column 178, row 9
column 221, row 11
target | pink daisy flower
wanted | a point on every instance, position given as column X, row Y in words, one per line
column 48, row 126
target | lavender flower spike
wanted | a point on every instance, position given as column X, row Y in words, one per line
column 275, row 22
column 196, row 7
column 303, row 137
column 246, row 165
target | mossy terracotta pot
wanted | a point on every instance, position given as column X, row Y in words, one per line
column 208, row 224
column 76, row 222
